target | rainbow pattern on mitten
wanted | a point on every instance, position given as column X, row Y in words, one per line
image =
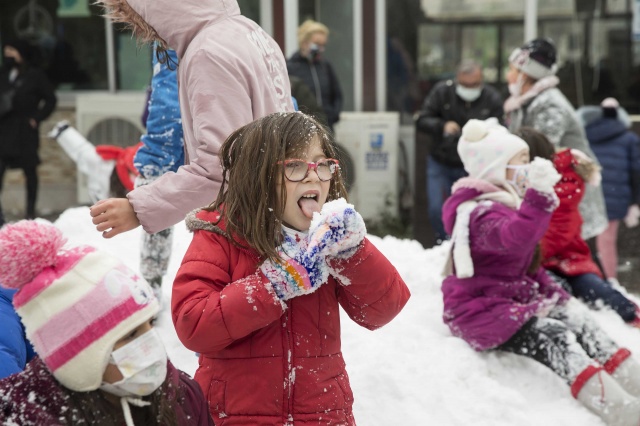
column 295, row 275
column 289, row 279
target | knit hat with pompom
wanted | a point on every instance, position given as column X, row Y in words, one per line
column 75, row 303
column 536, row 58
column 485, row 148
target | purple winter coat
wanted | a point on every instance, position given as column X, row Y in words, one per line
column 488, row 308
column 34, row 397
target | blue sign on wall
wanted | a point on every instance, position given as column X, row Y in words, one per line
column 376, row 158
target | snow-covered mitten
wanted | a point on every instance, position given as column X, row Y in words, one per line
column 300, row 270
column 632, row 217
column 337, row 230
column 542, row 175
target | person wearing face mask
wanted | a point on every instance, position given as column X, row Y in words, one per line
column 310, row 65
column 496, row 297
column 445, row 111
column 26, row 99
column 100, row 362
column 535, row 101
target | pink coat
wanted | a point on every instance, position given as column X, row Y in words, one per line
column 267, row 363
column 231, row 72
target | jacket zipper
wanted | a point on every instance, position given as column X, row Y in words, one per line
column 289, row 378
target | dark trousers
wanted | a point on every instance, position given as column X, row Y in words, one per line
column 591, row 288
column 567, row 341
column 31, row 176
column 440, row 179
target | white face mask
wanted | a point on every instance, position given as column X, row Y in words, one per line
column 520, row 179
column 468, row 94
column 515, row 89
column 143, row 364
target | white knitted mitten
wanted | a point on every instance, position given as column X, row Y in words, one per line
column 542, row 175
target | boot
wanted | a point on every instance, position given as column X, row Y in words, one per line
column 600, row 393
column 636, row 321
column 625, row 370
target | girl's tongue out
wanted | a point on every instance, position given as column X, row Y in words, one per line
column 308, row 206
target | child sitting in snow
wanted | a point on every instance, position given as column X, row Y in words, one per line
column 100, row 361
column 497, row 297
column 259, row 289
column 564, row 252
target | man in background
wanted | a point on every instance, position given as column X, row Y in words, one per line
column 447, row 108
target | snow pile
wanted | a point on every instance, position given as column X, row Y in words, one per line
column 411, row 372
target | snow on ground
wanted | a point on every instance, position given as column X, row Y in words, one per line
column 412, row 371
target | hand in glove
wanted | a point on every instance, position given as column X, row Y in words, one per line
column 542, row 175
column 337, row 230
column 300, row 270
column 588, row 170
column 633, row 216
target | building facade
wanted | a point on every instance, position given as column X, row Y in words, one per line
column 387, row 54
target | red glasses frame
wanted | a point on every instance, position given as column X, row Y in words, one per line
column 310, row 165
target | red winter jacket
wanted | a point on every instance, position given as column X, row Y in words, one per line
column 262, row 361
column 563, row 249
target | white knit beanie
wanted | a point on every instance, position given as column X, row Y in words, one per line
column 75, row 303
column 486, row 148
column 536, row 58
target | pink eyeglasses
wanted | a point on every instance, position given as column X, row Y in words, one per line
column 296, row 170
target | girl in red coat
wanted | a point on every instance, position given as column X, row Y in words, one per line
column 564, row 252
column 271, row 261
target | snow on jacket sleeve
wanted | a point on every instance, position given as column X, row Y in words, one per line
column 163, row 147
column 552, row 121
column 219, row 103
column 372, row 292
column 210, row 310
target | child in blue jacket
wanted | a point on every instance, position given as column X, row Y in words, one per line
column 162, row 151
column 15, row 349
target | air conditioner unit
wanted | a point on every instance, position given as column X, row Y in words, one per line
column 108, row 119
column 371, row 140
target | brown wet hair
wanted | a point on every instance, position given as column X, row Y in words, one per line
column 252, row 178
column 539, row 145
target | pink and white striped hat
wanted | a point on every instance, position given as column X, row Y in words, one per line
column 75, row 303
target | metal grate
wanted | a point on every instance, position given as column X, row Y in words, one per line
column 114, row 131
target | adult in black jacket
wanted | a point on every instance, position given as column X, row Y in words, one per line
column 447, row 108
column 309, row 65
column 32, row 101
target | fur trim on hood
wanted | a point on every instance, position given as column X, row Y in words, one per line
column 194, row 223
column 119, row 11
column 172, row 23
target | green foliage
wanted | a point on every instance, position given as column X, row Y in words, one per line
column 389, row 223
